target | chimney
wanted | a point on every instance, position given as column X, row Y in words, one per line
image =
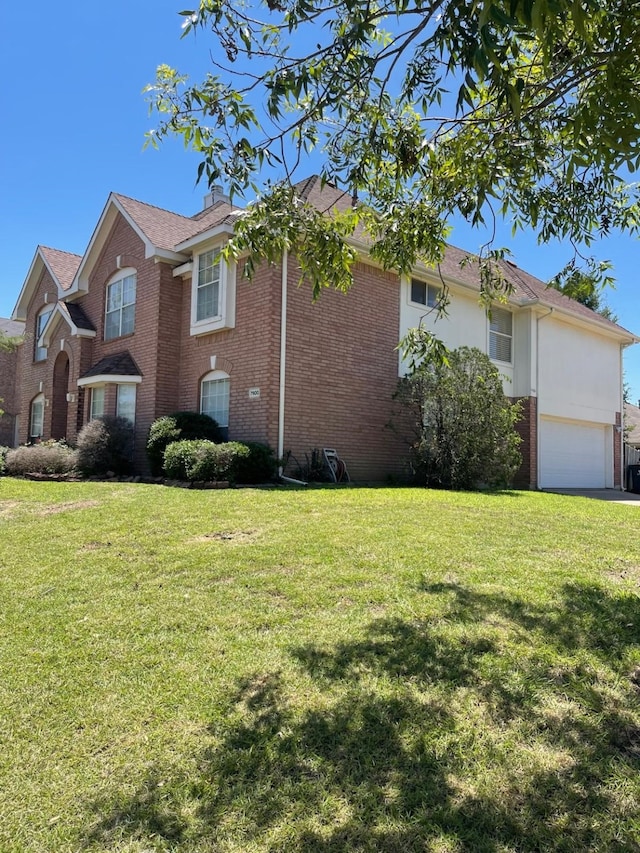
column 215, row 195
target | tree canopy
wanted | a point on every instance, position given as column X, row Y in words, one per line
column 522, row 109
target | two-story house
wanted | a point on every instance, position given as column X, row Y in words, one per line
column 151, row 320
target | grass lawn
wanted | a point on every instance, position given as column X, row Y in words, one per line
column 323, row 670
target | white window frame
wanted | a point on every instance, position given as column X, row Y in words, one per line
column 498, row 334
column 433, row 293
column 127, row 411
column 119, row 279
column 36, row 422
column 221, row 377
column 40, row 353
column 225, row 310
column 96, row 409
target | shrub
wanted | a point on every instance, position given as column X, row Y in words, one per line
column 48, row 457
column 3, row 455
column 179, row 426
column 195, row 425
column 259, row 466
column 162, row 433
column 464, row 425
column 199, row 459
column 105, row 444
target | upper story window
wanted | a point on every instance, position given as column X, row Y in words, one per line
column 121, row 306
column 212, row 293
column 40, row 353
column 500, row 334
column 425, row 294
column 208, row 286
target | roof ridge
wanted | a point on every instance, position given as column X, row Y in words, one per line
column 61, row 251
column 154, row 206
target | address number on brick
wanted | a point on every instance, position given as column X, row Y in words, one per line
column 254, row 393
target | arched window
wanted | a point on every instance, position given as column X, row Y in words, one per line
column 40, row 353
column 214, row 397
column 36, row 418
column 120, row 305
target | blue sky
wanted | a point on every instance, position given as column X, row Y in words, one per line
column 73, row 125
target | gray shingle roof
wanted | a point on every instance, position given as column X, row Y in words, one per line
column 118, row 364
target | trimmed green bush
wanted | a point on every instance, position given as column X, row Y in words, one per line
column 260, row 466
column 105, row 444
column 179, row 426
column 48, row 457
column 162, row 433
column 199, row 459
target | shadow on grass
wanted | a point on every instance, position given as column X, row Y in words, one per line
column 415, row 738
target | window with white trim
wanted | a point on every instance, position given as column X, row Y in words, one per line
column 214, row 397
column 500, row 334
column 423, row 293
column 36, row 419
column 97, row 403
column 208, row 285
column 213, row 293
column 120, row 306
column 40, row 353
column 126, row 402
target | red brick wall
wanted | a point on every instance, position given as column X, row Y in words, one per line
column 527, row 476
column 9, row 395
column 342, row 371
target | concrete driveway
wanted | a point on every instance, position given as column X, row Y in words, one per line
column 615, row 495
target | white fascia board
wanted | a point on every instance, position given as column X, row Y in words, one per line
column 183, row 270
column 22, row 304
column 619, row 334
column 109, row 379
column 163, row 256
column 53, row 322
column 204, row 236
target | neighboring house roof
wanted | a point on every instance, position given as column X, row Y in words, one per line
column 11, row 328
column 119, row 364
column 632, row 424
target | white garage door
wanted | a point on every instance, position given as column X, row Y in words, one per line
column 573, row 455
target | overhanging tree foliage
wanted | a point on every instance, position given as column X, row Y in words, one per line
column 527, row 109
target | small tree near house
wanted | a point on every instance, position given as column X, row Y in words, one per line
column 462, row 425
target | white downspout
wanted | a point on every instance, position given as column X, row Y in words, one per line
column 623, row 479
column 283, row 368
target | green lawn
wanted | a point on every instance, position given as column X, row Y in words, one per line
column 322, row 670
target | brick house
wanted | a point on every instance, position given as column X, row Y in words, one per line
column 150, row 320
column 9, row 397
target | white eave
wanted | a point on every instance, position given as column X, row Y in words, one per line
column 110, row 379
column 224, row 229
column 38, row 263
column 57, row 315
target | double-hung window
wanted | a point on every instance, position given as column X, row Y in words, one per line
column 36, row 426
column 126, row 402
column 208, row 286
column 121, row 306
column 97, row 402
column 500, row 334
column 214, row 398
